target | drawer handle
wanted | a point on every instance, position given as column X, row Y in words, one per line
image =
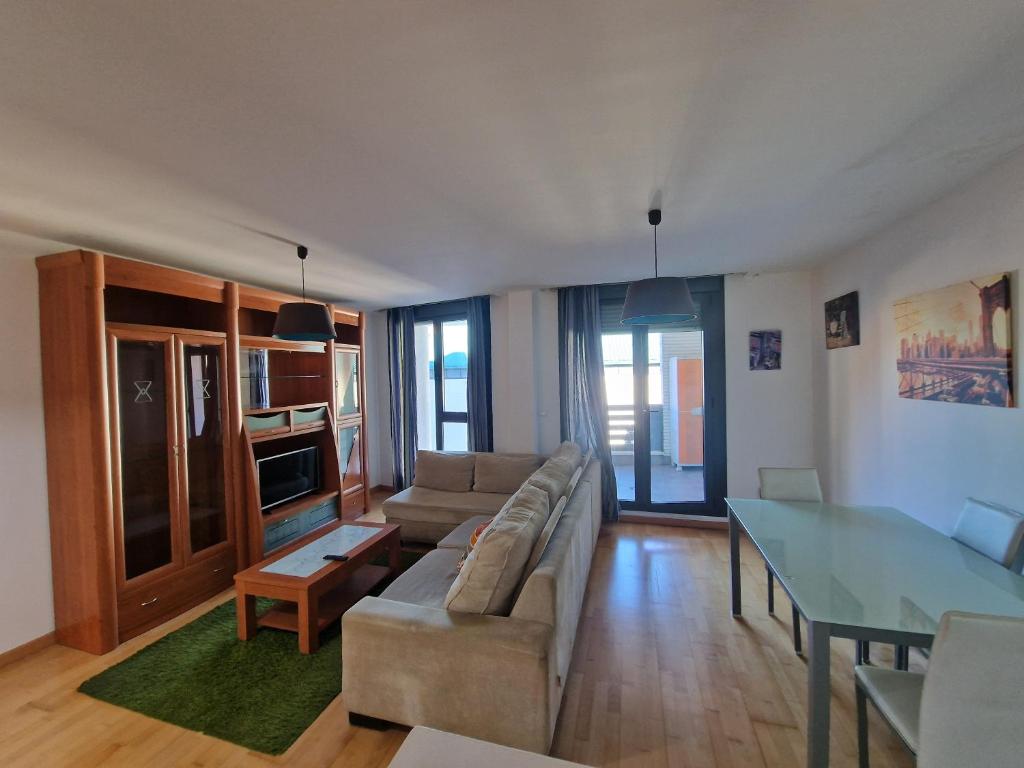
column 218, row 570
column 148, row 602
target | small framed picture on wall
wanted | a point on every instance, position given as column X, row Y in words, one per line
column 765, row 350
column 842, row 321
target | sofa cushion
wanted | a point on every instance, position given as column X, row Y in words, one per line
column 502, row 473
column 459, row 538
column 444, row 471
column 570, row 452
column 545, row 536
column 427, row 504
column 427, row 582
column 494, row 568
column 552, row 478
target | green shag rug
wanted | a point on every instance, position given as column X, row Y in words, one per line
column 261, row 694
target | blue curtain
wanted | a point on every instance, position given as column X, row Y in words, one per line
column 478, row 383
column 584, row 407
column 402, row 379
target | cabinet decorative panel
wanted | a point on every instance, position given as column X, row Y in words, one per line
column 145, row 467
column 204, row 445
column 350, row 456
column 346, row 371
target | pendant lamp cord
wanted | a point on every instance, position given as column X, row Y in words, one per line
column 303, row 263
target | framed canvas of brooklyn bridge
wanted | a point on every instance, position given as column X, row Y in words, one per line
column 955, row 343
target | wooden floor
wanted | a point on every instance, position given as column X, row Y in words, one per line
column 662, row 676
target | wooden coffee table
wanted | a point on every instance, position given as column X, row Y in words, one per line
column 315, row 591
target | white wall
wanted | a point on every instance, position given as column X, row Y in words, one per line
column 524, row 371
column 922, row 457
column 26, row 599
column 769, row 414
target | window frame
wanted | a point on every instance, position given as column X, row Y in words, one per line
column 438, row 315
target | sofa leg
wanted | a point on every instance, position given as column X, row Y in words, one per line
column 365, row 721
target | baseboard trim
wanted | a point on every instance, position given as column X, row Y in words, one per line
column 383, row 489
column 673, row 520
column 27, row 649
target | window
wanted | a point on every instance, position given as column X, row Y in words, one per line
column 442, row 364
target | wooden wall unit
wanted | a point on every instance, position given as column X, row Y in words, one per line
column 184, row 336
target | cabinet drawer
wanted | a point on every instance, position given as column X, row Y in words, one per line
column 325, row 513
column 267, row 423
column 280, row 533
column 143, row 607
column 309, row 417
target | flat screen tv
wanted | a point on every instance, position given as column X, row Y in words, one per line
column 288, row 476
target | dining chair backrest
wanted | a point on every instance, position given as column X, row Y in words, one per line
column 993, row 530
column 972, row 710
column 781, row 484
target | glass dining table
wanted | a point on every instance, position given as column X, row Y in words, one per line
column 864, row 573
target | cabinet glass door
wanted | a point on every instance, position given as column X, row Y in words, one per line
column 346, row 365
column 202, row 367
column 145, row 433
column 350, row 457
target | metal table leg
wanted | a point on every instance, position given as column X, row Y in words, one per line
column 818, row 693
column 734, row 564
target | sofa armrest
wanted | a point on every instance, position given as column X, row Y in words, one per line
column 488, row 677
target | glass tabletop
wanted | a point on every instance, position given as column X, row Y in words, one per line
column 874, row 566
column 309, row 559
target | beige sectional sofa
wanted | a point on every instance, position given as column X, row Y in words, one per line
column 485, row 651
column 450, row 488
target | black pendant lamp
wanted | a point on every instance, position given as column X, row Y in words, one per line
column 302, row 320
column 658, row 300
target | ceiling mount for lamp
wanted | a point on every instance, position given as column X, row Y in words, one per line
column 658, row 300
column 302, row 320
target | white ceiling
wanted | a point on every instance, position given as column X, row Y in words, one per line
column 428, row 150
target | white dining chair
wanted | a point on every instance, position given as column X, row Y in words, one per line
column 788, row 484
column 967, row 709
column 995, row 531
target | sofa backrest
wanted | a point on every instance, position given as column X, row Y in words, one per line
column 455, row 471
column 553, row 592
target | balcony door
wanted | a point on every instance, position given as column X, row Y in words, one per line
column 665, row 388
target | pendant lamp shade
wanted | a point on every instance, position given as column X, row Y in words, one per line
column 658, row 300
column 303, row 320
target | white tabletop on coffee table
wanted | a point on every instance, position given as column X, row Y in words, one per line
column 429, row 748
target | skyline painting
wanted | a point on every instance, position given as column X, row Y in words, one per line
column 955, row 343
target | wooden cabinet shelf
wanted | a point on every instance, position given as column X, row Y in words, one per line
column 273, row 423
column 292, row 508
column 269, row 342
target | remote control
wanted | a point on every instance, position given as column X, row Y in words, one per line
column 339, row 558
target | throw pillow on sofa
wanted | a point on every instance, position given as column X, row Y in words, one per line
column 474, row 537
column 552, row 478
column 502, row 473
column 444, row 471
column 489, row 577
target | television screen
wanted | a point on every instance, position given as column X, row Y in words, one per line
column 287, row 476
